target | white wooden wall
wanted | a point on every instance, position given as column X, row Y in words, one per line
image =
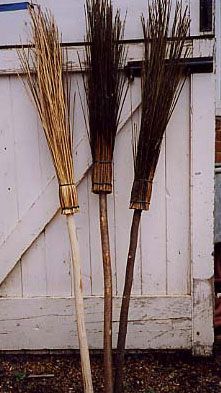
column 218, row 56
column 172, row 291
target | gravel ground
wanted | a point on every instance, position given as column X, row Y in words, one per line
column 150, row 373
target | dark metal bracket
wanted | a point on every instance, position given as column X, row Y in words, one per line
column 197, row 65
column 206, row 15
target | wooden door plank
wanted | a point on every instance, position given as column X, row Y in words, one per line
column 154, row 322
column 195, row 17
column 8, row 189
column 28, row 178
column 34, row 277
column 218, row 57
column 8, row 180
column 202, row 206
column 26, row 146
column 13, row 286
column 178, row 196
column 123, row 174
column 153, row 232
column 58, row 257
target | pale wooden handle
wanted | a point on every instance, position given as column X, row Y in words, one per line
column 79, row 306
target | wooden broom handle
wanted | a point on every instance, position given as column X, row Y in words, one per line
column 122, row 334
column 105, row 243
column 79, row 306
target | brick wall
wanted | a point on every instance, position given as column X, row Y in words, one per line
column 218, row 140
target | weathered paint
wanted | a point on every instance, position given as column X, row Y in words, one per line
column 172, row 291
column 153, row 323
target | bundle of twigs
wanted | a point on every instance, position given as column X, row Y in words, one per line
column 105, row 92
column 162, row 81
column 50, row 89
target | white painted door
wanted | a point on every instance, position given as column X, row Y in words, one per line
column 218, row 57
column 172, row 292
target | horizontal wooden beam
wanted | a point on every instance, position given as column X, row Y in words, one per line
column 209, row 36
column 10, row 63
column 154, row 323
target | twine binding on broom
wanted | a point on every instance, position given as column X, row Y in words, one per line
column 102, row 177
column 68, row 199
column 141, row 194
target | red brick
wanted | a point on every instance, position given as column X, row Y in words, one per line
column 218, row 157
column 218, row 146
column 218, row 123
column 218, row 135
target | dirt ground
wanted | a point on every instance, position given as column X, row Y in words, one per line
column 150, row 373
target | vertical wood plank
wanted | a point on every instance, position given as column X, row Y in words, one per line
column 34, row 273
column 202, row 206
column 123, row 174
column 8, row 189
column 82, row 151
column 177, row 197
column 29, row 180
column 34, row 279
column 153, row 235
column 195, row 17
column 218, row 55
column 26, row 145
column 12, row 286
column 58, row 257
column 47, row 170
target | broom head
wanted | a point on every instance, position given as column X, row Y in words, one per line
column 104, row 87
column 161, row 83
column 49, row 84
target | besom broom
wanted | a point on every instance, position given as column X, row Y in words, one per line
column 105, row 87
column 161, row 83
column 50, row 86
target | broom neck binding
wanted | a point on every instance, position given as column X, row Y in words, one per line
column 68, row 199
column 141, row 194
column 102, row 173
